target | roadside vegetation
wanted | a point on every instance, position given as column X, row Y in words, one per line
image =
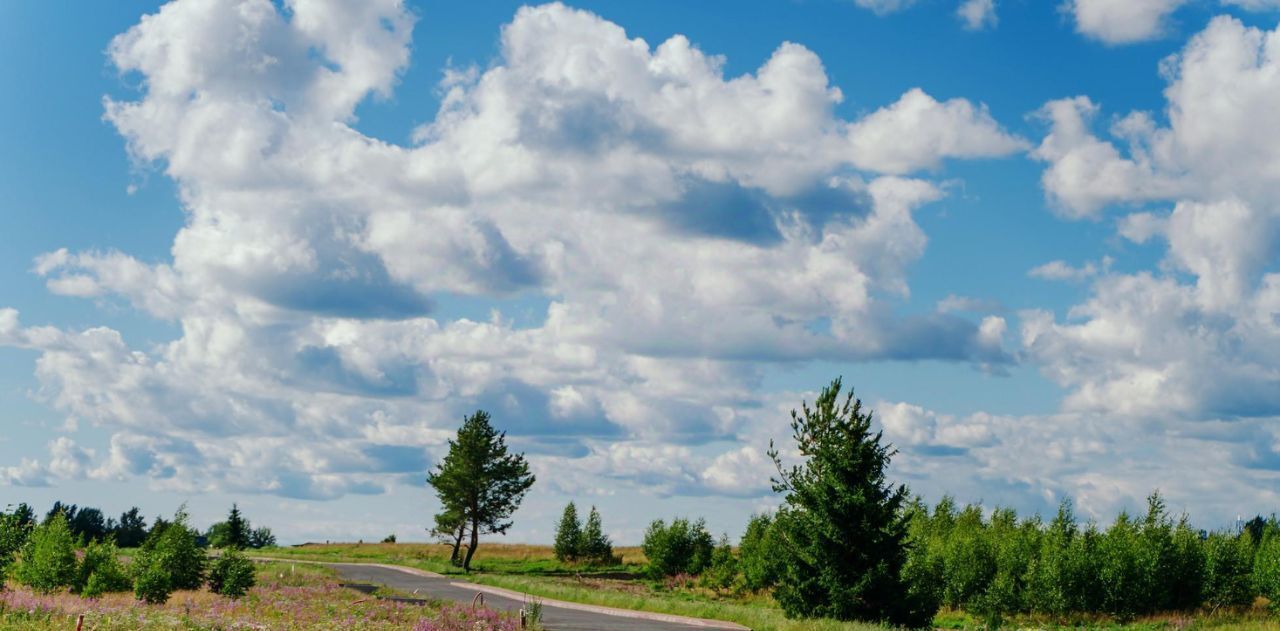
column 849, row 549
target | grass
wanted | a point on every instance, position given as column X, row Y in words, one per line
column 498, row 558
column 287, row 596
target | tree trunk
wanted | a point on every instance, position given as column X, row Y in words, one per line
column 457, row 542
column 475, row 541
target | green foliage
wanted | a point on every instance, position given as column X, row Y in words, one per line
column 49, row 556
column 170, row 552
column 684, row 547
column 758, row 557
column 100, row 571
column 479, row 483
column 391, row 538
column 842, row 524
column 151, row 583
column 262, row 537
column 568, row 535
column 231, row 574
column 723, row 568
column 1266, row 566
column 595, row 546
column 14, row 530
column 1228, row 565
column 132, row 529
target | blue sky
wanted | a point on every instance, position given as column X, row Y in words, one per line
column 271, row 252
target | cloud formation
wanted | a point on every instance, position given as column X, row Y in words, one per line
column 678, row 225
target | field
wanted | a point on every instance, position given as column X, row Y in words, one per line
column 287, row 596
column 534, row 570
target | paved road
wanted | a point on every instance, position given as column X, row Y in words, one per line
column 554, row 618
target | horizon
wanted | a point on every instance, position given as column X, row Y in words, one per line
column 270, row 253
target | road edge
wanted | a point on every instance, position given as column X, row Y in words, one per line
column 600, row 609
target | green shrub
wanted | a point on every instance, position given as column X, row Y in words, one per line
column 723, row 568
column 49, row 557
column 151, row 583
column 13, row 535
column 1266, row 568
column 759, row 554
column 231, row 574
column 684, row 547
column 968, row 559
column 100, row 571
column 178, row 554
column 1228, row 565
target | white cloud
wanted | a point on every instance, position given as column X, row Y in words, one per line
column 883, row 7
column 1061, row 270
column 1121, row 21
column 977, row 15
column 1150, row 343
column 672, row 220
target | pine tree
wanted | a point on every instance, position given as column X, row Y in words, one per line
column 568, row 543
column 480, row 481
column 595, row 546
column 237, row 535
column 842, row 528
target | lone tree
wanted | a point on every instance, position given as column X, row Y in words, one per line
column 479, row 481
column 568, row 535
column 841, row 527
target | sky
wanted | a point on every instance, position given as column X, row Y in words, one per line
column 272, row 253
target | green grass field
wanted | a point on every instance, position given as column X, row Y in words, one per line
column 535, row 571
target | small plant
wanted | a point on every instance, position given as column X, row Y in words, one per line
column 231, row 575
column 49, row 557
column 594, row 546
column 532, row 613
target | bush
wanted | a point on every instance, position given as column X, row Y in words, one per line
column 1266, row 568
column 758, row 554
column 169, row 560
column 684, row 547
column 151, row 583
column 100, row 571
column 49, row 557
column 391, row 538
column 231, row 574
column 723, row 568
column 1228, row 565
column 13, row 536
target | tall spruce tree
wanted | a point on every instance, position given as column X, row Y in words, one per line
column 480, row 481
column 842, row 528
column 237, row 536
column 568, row 535
column 595, row 546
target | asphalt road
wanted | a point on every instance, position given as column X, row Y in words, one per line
column 554, row 618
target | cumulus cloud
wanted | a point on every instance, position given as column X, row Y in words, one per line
column 1121, row 21
column 1061, row 270
column 1197, row 337
column 977, row 15
column 673, row 221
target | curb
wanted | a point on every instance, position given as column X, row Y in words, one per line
column 607, row 611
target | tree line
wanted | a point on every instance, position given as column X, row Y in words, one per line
column 89, row 524
column 848, row 544
column 51, row 556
